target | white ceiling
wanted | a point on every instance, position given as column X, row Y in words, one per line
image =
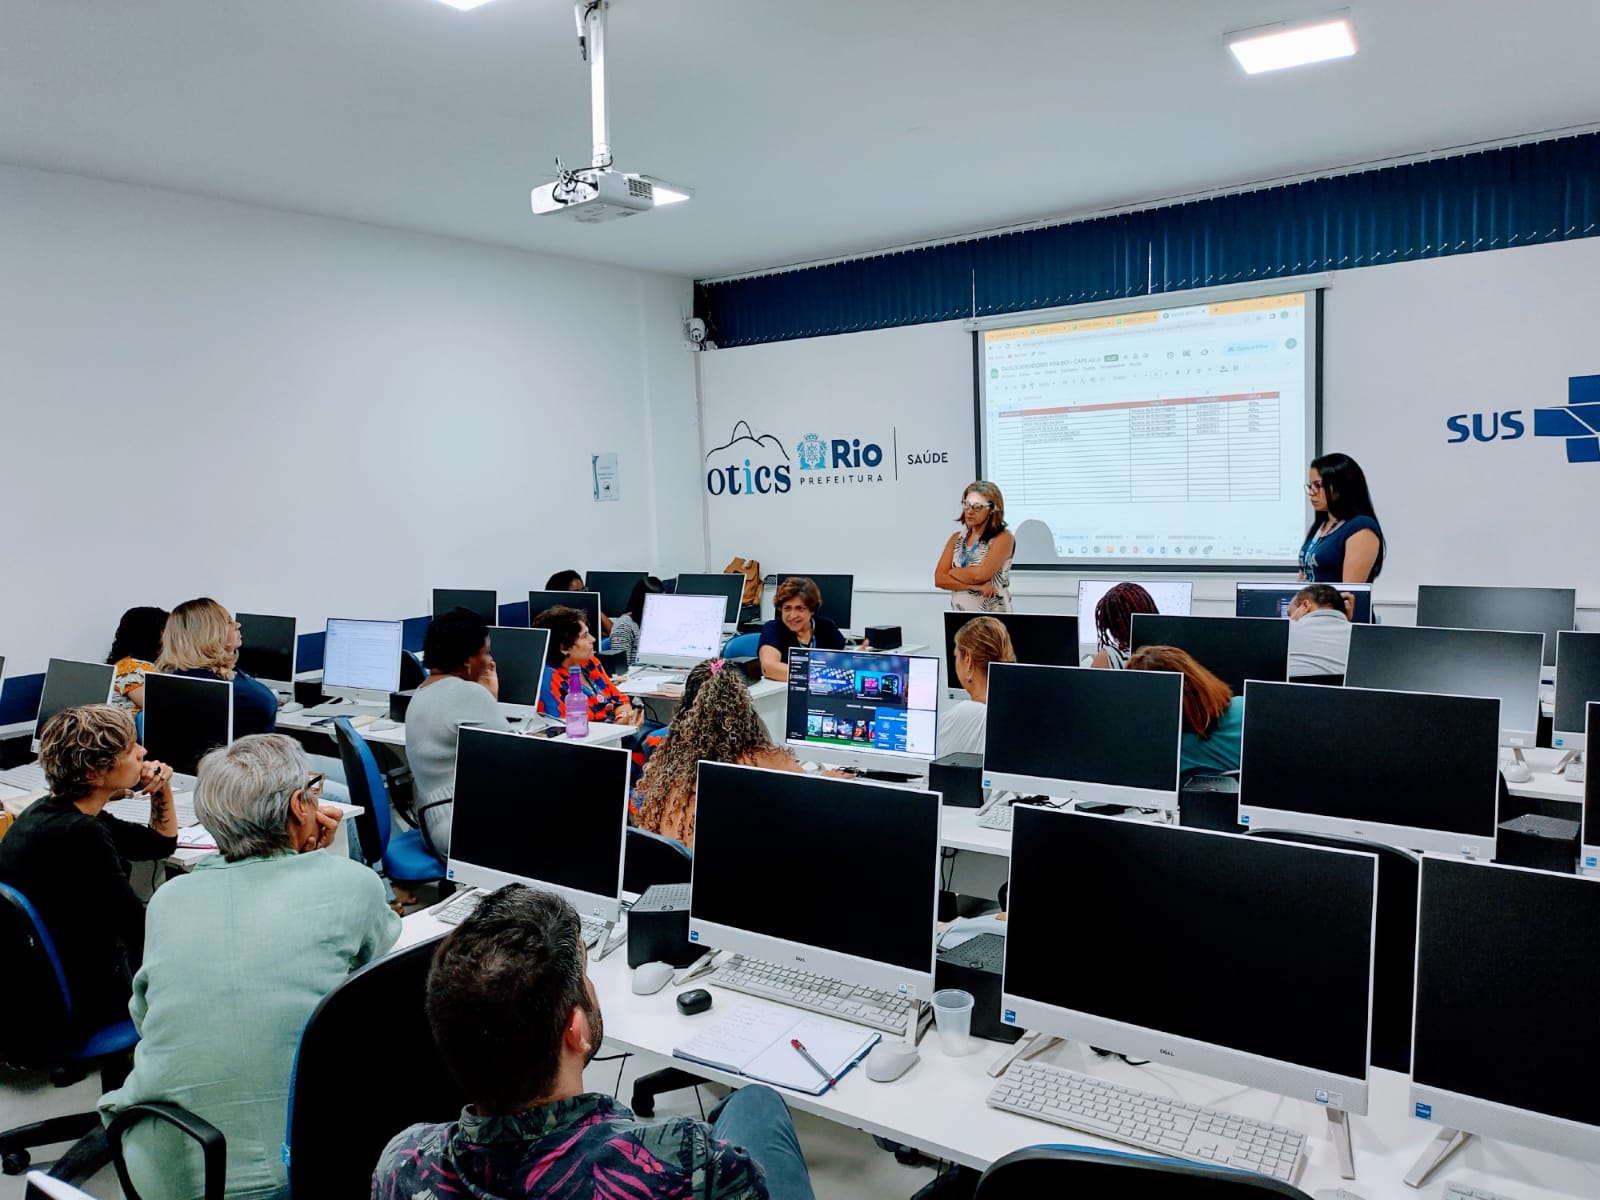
column 811, row 128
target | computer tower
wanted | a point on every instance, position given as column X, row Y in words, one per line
column 658, row 927
column 975, row 967
column 958, row 778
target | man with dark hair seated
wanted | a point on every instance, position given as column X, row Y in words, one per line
column 1319, row 631
column 516, row 1020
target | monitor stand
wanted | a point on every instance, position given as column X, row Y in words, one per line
column 1339, row 1135
column 1442, row 1147
column 1030, row 1043
column 1571, row 765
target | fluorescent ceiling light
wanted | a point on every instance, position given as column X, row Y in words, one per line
column 1275, row 47
column 464, row 5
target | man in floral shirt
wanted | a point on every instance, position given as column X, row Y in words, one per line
column 516, row 1019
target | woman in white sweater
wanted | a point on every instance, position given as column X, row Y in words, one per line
column 979, row 642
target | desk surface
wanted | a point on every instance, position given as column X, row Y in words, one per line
column 600, row 734
column 939, row 1106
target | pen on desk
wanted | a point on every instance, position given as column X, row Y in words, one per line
column 806, row 1054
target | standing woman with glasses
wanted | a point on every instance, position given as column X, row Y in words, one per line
column 975, row 565
column 1345, row 542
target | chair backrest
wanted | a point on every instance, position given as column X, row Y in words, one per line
column 412, row 672
column 652, row 858
column 1394, row 955
column 38, row 1003
column 744, row 645
column 1037, row 1171
column 343, row 1111
column 365, row 781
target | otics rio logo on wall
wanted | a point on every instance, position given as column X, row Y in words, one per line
column 748, row 464
column 842, row 460
column 758, row 464
column 1578, row 423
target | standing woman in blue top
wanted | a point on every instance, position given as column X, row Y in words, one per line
column 1345, row 542
column 201, row 638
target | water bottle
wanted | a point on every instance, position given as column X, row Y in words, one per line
column 577, row 705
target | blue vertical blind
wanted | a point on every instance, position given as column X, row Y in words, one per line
column 1490, row 200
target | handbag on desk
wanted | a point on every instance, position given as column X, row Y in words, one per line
column 750, row 599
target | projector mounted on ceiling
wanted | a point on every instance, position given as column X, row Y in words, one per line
column 599, row 192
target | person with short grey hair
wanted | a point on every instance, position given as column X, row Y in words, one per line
column 237, row 955
column 1319, row 632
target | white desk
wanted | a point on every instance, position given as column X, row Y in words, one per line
column 600, row 733
column 1543, row 785
column 938, row 1106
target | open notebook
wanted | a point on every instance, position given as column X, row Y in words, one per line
column 754, row 1041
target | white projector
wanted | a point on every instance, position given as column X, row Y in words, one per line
column 595, row 195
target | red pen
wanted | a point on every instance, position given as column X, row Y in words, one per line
column 806, row 1054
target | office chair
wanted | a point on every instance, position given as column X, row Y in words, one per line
column 403, row 855
column 1080, row 1171
column 213, row 1146
column 36, row 1033
column 342, row 1113
column 412, row 672
column 1394, row 954
column 742, row 645
column 652, row 859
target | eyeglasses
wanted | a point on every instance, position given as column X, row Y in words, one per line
column 313, row 787
column 979, row 507
column 1313, row 488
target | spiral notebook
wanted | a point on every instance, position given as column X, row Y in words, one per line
column 754, row 1041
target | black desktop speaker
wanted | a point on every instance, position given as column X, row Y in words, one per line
column 975, row 966
column 1210, row 802
column 1532, row 840
column 658, row 927
column 884, row 637
column 308, row 692
column 958, row 778
column 398, row 703
column 747, row 666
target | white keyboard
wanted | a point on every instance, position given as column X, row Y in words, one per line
column 871, row 1007
column 998, row 817
column 461, row 906
column 344, row 708
column 29, row 777
column 1155, row 1123
column 137, row 808
column 1462, row 1191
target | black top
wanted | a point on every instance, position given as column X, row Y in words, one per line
column 74, row 869
column 825, row 635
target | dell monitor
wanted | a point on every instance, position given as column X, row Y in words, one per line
column 588, row 603
column 519, row 661
column 1589, row 851
column 552, row 815
column 1300, row 1027
column 1406, row 769
column 68, row 684
column 1083, row 734
column 1508, row 966
column 865, row 710
column 361, row 659
column 1042, row 639
column 838, row 595
column 680, row 631
column 1456, row 662
column 266, row 649
column 1532, row 610
column 729, row 586
column 1577, row 685
column 1233, row 649
column 185, row 718
column 762, row 837
column 482, row 601
column 615, row 589
column 1171, row 596
column 1273, row 599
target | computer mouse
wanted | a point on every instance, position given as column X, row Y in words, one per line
column 1516, row 772
column 649, row 978
column 890, row 1060
column 696, row 1000
column 292, row 706
column 383, row 723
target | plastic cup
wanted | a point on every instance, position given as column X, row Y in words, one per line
column 952, row 1016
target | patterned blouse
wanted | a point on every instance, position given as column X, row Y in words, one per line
column 129, row 675
column 973, row 599
column 603, row 696
column 587, row 1147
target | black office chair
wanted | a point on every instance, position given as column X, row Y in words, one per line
column 412, row 672
column 652, row 859
column 213, row 1146
column 366, row 1069
column 1037, row 1171
column 1394, row 955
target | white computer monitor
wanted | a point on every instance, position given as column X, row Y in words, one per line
column 483, row 601
column 1173, row 597
column 764, row 840
column 728, row 585
column 1577, row 685
column 267, row 649
column 874, row 712
column 1507, row 968
column 519, row 659
column 185, row 718
column 679, row 631
column 68, row 684
column 1112, row 737
column 1534, row 610
column 1252, row 599
column 361, row 659
column 1161, row 990
column 1045, row 639
column 549, row 814
column 1589, row 849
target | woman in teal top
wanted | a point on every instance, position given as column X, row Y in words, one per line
column 237, row 955
column 1213, row 717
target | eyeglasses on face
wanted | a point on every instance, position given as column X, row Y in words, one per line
column 1313, row 488
column 978, row 507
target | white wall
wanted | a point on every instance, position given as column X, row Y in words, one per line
column 315, row 417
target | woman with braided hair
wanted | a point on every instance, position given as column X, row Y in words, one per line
column 1113, row 623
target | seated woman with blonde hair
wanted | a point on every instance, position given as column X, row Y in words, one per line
column 201, row 639
column 981, row 641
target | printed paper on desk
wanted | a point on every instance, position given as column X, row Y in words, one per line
column 753, row 1041
column 196, row 837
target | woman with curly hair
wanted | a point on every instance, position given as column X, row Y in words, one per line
column 715, row 722
column 1113, row 622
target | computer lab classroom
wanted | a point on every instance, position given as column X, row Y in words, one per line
column 1137, row 463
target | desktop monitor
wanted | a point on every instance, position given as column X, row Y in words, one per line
column 67, row 684
column 1233, row 649
column 860, row 709
column 519, row 661
column 1042, row 639
column 1590, row 848
column 615, row 589
column 1533, row 610
column 838, row 595
column 679, row 631
column 185, row 718
column 1273, row 599
column 1508, row 964
column 266, row 649
column 1577, row 685
column 1456, row 662
column 552, row 815
column 1300, row 1027
column 482, row 601
column 588, row 603
column 361, row 659
column 1403, row 768
column 764, row 842
column 1110, row 736
column 730, row 587
column 1171, row 596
